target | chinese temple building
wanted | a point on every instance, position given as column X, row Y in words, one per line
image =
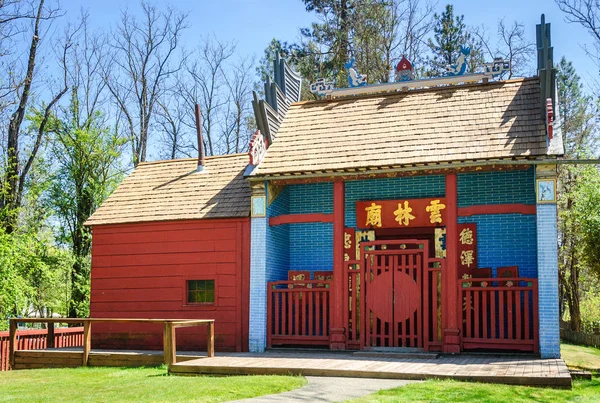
column 416, row 215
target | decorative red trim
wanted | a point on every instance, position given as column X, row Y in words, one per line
column 300, row 218
column 450, row 305
column 497, row 209
column 549, row 118
column 337, row 339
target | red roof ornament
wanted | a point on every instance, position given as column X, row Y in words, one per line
column 549, row 118
column 258, row 148
column 404, row 70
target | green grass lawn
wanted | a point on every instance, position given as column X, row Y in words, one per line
column 580, row 357
column 102, row 384
column 434, row 391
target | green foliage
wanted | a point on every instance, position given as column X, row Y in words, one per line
column 450, row 32
column 579, row 195
column 102, row 384
column 33, row 276
column 86, row 155
column 362, row 29
column 586, row 212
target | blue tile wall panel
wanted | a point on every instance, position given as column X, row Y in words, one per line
column 410, row 187
column 506, row 240
column 496, row 187
column 311, row 198
column 311, row 246
column 257, row 337
column 278, row 240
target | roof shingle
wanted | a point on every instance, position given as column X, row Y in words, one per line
column 173, row 190
column 456, row 123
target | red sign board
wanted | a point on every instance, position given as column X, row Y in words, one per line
column 401, row 213
column 467, row 248
column 349, row 244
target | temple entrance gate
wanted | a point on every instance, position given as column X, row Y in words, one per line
column 394, row 284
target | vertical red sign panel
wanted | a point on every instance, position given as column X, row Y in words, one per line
column 349, row 244
column 467, row 248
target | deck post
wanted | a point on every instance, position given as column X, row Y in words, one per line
column 210, row 339
column 87, row 341
column 451, row 304
column 337, row 337
column 169, row 350
column 50, row 335
column 12, row 337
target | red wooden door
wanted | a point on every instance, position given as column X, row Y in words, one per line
column 394, row 302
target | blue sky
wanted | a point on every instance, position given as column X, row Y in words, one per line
column 253, row 23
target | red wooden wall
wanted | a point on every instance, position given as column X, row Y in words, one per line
column 140, row 271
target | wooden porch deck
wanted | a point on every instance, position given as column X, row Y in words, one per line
column 504, row 369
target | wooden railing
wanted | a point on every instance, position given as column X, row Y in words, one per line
column 499, row 313
column 35, row 339
column 352, row 304
column 298, row 315
column 169, row 339
column 432, row 303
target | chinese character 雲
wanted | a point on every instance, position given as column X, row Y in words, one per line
column 373, row 215
column 403, row 215
column 434, row 209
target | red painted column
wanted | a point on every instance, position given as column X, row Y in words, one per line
column 450, row 302
column 337, row 333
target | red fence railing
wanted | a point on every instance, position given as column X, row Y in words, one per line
column 298, row 314
column 432, row 301
column 35, row 339
column 499, row 313
column 352, row 304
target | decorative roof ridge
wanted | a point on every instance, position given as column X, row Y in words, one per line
column 212, row 157
column 418, row 90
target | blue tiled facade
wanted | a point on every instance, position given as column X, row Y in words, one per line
column 278, row 240
column 502, row 239
column 526, row 241
column 496, row 187
column 506, row 240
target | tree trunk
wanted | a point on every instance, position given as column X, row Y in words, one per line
column 12, row 198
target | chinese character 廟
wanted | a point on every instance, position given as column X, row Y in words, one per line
column 466, row 236
column 373, row 215
column 403, row 215
column 434, row 209
column 466, row 258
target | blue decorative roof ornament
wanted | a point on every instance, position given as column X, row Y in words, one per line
column 460, row 67
column 354, row 78
column 322, row 87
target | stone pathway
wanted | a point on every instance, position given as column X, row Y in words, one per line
column 330, row 389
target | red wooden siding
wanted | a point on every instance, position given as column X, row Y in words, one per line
column 140, row 271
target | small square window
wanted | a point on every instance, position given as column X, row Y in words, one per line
column 201, row 291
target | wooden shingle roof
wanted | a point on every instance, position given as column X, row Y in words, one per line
column 173, row 190
column 456, row 123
